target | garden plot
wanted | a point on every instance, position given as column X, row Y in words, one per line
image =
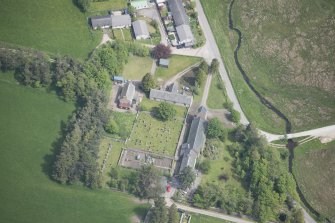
column 155, row 136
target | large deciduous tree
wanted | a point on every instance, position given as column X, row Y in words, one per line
column 148, row 83
column 161, row 51
column 166, row 111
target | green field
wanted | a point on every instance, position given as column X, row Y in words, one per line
column 108, row 5
column 154, row 135
column 315, row 173
column 57, row 27
column 177, row 64
column 216, row 96
column 226, row 40
column 137, row 67
column 283, row 62
column 198, row 218
column 30, row 125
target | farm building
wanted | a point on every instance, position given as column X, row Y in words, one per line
column 139, row 4
column 127, row 96
column 196, row 139
column 101, row 21
column 121, row 21
column 181, row 22
column 114, row 21
column 171, row 97
column 164, row 63
column 140, row 29
column 174, row 87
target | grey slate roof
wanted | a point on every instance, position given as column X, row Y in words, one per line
column 121, row 20
column 174, row 87
column 170, row 97
column 185, row 33
column 195, row 142
column 140, row 28
column 178, row 12
column 202, row 112
column 101, row 21
column 128, row 92
column 189, row 159
column 164, row 62
column 196, row 137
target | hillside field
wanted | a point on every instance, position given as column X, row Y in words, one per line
column 282, row 62
column 31, row 120
column 57, row 27
column 314, row 169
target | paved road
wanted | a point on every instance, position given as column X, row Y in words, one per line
column 169, row 202
column 325, row 133
column 213, row 48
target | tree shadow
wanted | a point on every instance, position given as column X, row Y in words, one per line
column 141, row 211
column 49, row 159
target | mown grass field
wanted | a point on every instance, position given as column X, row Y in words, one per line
column 198, row 218
column 31, row 120
column 314, row 169
column 226, row 40
column 137, row 67
column 108, row 5
column 177, row 64
column 216, row 96
column 57, row 27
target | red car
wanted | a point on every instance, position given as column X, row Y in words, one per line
column 168, row 188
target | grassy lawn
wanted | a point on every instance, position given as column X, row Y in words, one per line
column 149, row 105
column 108, row 5
column 127, row 34
column 216, row 96
column 57, row 27
column 30, row 124
column 113, row 157
column 222, row 165
column 177, row 64
column 154, row 135
column 199, row 218
column 125, row 121
column 314, row 170
column 137, row 67
column 117, row 34
column 290, row 77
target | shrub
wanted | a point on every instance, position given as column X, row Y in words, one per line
column 161, row 51
column 165, row 111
